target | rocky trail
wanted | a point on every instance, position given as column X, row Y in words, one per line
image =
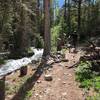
column 62, row 85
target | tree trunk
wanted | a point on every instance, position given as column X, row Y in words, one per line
column 47, row 36
column 38, row 16
column 79, row 16
column 65, row 12
column 69, row 20
column 23, row 40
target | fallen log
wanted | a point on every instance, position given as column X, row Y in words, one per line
column 74, row 65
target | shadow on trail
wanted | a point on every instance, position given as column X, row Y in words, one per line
column 29, row 84
column 2, row 88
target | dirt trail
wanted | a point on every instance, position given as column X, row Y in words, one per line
column 63, row 86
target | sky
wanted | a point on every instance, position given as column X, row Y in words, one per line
column 61, row 2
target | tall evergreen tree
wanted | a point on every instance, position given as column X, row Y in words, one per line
column 47, row 35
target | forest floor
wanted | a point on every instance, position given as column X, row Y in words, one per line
column 35, row 87
column 63, row 86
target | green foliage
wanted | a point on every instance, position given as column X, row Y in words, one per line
column 86, row 84
column 55, row 34
column 83, row 71
column 59, row 31
column 96, row 84
column 87, row 77
column 39, row 41
column 28, row 95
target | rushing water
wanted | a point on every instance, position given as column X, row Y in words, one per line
column 13, row 65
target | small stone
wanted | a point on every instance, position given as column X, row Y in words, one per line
column 49, row 69
column 64, row 82
column 59, row 79
column 61, row 64
column 48, row 77
column 38, row 81
column 69, row 74
column 65, row 74
column 47, row 91
column 64, row 94
column 36, row 94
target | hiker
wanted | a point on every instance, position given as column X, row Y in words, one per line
column 73, row 41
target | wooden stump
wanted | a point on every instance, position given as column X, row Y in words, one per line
column 23, row 71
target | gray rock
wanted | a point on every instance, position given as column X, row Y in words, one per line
column 50, row 62
column 49, row 69
column 60, row 64
column 48, row 77
column 38, row 81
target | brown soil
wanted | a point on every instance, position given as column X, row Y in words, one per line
column 62, row 87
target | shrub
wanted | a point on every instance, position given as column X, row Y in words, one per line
column 87, row 77
column 83, row 71
column 96, row 83
column 86, row 84
column 55, row 34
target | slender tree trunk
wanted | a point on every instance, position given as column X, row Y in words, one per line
column 38, row 15
column 23, row 41
column 38, row 8
column 69, row 19
column 14, row 26
column 47, row 35
column 65, row 12
column 79, row 16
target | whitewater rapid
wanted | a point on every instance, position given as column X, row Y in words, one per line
column 13, row 65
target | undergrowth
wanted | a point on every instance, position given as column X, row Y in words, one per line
column 96, row 97
column 88, row 78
